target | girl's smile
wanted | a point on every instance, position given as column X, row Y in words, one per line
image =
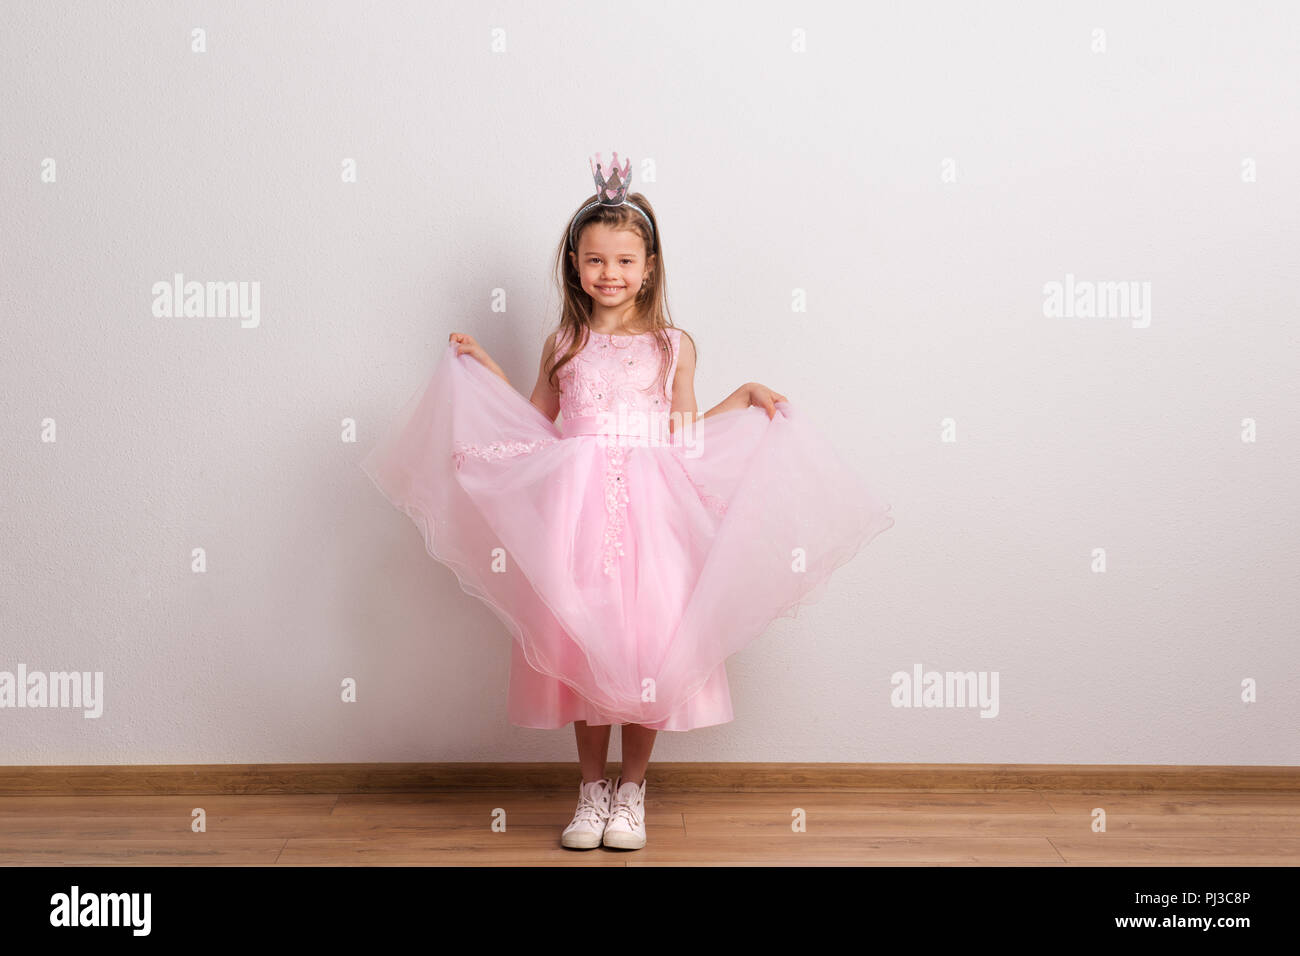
column 611, row 266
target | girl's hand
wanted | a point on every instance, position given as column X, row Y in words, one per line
column 763, row 397
column 467, row 346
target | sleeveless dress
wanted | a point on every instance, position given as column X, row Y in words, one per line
column 626, row 559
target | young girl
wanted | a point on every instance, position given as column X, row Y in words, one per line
column 632, row 551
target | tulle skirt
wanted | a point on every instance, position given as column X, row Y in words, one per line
column 625, row 574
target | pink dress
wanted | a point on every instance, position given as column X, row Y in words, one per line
column 626, row 561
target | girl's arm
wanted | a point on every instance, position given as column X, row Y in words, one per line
column 751, row 393
column 544, row 397
column 683, row 386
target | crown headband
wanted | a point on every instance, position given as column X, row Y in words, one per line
column 610, row 191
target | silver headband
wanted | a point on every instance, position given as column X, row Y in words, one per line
column 610, row 191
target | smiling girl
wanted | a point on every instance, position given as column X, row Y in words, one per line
column 631, row 551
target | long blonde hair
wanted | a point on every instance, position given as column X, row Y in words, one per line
column 651, row 305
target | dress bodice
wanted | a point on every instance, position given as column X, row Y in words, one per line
column 617, row 374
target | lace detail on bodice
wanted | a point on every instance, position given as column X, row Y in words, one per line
column 617, row 376
column 617, row 373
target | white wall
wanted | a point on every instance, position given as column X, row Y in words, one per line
column 776, row 170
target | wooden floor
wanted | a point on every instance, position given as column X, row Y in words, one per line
column 1174, row 828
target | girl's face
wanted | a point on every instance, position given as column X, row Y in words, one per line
column 611, row 264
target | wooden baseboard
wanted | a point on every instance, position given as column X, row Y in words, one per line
column 846, row 777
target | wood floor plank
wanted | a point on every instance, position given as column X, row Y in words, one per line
column 253, row 827
column 686, row 827
column 853, row 824
column 518, row 846
column 674, row 847
column 735, row 862
column 1019, row 801
column 697, row 822
column 1127, row 849
column 165, row 804
column 1167, row 802
column 155, row 851
column 835, row 849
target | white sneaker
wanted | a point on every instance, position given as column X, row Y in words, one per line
column 626, row 827
column 588, row 825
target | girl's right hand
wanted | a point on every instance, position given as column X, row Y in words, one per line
column 467, row 346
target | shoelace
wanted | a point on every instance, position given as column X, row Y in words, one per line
column 589, row 810
column 626, row 811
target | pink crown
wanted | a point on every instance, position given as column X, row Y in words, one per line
column 612, row 191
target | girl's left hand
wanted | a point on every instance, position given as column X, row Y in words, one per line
column 763, row 397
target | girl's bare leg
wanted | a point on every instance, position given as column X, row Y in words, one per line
column 593, row 748
column 638, row 741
